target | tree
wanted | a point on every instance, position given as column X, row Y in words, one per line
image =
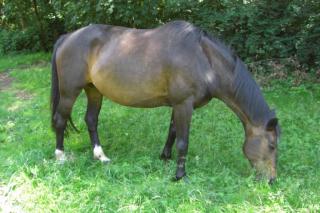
column 257, row 30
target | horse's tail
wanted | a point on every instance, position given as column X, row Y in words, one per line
column 55, row 93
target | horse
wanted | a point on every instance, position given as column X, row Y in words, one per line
column 176, row 65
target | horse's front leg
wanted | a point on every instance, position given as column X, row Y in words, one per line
column 167, row 149
column 182, row 120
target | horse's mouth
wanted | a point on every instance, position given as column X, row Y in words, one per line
column 265, row 173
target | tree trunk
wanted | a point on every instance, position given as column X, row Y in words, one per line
column 42, row 36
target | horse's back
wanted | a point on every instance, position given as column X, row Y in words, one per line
column 129, row 69
column 150, row 66
column 143, row 68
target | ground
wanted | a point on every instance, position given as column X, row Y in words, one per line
column 220, row 178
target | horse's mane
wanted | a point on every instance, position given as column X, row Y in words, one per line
column 245, row 90
column 182, row 30
column 248, row 94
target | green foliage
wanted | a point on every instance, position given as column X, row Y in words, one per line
column 19, row 40
column 308, row 45
column 220, row 179
column 257, row 30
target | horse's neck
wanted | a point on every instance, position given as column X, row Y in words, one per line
column 233, row 84
column 244, row 97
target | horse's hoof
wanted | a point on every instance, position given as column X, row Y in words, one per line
column 180, row 174
column 175, row 179
column 179, row 178
column 99, row 155
column 165, row 157
column 102, row 159
column 60, row 156
column 105, row 161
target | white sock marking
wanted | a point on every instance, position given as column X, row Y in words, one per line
column 99, row 154
column 60, row 156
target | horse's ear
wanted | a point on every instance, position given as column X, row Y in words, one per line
column 272, row 124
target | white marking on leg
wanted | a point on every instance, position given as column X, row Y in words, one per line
column 99, row 154
column 60, row 156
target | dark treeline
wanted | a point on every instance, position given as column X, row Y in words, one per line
column 257, row 29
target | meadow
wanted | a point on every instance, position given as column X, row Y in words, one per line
column 220, row 178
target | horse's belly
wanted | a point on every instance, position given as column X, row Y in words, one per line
column 135, row 91
column 136, row 98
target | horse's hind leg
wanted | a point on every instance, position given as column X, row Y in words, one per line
column 167, row 149
column 94, row 105
column 61, row 117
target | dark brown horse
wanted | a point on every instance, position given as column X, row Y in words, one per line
column 175, row 65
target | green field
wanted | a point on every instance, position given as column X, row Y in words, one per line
column 220, row 178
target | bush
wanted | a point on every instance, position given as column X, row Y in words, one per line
column 19, row 41
column 308, row 44
column 257, row 30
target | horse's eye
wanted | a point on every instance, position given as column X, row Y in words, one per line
column 272, row 147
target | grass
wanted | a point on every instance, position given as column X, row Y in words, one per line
column 136, row 180
column 8, row 62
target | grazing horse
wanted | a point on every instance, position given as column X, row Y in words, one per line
column 176, row 65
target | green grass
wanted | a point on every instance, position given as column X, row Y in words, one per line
column 8, row 62
column 136, row 180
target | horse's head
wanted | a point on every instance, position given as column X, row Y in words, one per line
column 260, row 148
